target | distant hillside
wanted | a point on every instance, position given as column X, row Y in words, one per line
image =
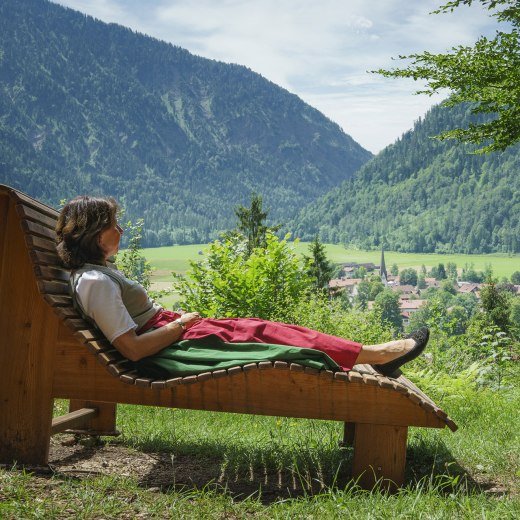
column 422, row 195
column 87, row 107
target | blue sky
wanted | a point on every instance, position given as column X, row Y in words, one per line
column 319, row 50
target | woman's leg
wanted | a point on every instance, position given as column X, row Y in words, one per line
column 384, row 352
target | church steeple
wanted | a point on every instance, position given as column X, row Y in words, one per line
column 382, row 268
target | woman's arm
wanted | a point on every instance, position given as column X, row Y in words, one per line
column 136, row 347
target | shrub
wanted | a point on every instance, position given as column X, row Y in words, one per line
column 268, row 283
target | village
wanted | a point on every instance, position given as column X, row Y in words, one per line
column 411, row 297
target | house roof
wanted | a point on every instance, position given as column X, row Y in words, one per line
column 411, row 304
column 343, row 282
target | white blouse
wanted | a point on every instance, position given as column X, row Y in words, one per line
column 101, row 300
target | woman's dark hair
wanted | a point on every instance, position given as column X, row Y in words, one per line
column 79, row 224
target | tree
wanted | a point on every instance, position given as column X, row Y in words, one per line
column 251, row 223
column 408, row 277
column 515, row 278
column 131, row 262
column 319, row 268
column 438, row 272
column 469, row 274
column 269, row 283
column 496, row 306
column 486, row 75
column 394, row 270
column 363, row 294
column 421, row 282
column 448, row 286
column 514, row 317
column 360, row 272
column 451, row 271
column 386, row 305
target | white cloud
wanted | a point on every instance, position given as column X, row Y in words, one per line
column 318, row 50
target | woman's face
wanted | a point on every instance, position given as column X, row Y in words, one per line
column 109, row 239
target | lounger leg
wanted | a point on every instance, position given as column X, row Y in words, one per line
column 379, row 455
column 105, row 421
column 349, row 431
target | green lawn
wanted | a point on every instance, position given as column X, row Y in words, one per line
column 189, row 464
column 176, row 258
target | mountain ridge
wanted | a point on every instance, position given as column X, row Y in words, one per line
column 90, row 107
column 424, row 195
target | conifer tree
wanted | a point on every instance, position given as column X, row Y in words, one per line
column 320, row 269
column 251, row 223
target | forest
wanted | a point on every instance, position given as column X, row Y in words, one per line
column 90, row 107
column 425, row 195
column 180, row 141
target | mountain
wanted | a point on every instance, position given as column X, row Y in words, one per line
column 90, row 107
column 425, row 195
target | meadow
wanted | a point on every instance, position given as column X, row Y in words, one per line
column 176, row 258
column 166, row 260
column 172, row 463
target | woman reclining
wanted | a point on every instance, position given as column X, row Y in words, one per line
column 162, row 343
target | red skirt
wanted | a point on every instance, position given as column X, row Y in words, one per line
column 253, row 330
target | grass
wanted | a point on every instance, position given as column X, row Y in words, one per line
column 216, row 465
column 176, row 258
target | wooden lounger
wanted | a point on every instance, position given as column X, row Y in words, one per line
column 47, row 351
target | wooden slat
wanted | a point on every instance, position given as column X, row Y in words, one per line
column 58, row 300
column 189, row 380
column 109, row 356
column 204, row 376
column 217, row 374
column 29, row 201
column 119, row 368
column 250, row 366
column 66, row 312
column 72, row 420
column 33, row 228
column 233, row 371
column 52, row 287
column 87, row 334
column 77, row 324
column 143, row 382
column 355, row 377
column 264, row 365
column 99, row 345
column 296, row 367
column 129, row 378
column 51, row 273
column 45, row 258
column 44, row 219
column 174, row 381
column 341, row 376
column 40, row 243
column 369, row 379
column 158, row 385
column 281, row 365
column 451, row 425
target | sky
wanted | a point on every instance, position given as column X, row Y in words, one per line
column 320, row 50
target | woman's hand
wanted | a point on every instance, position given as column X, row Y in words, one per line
column 189, row 319
column 136, row 347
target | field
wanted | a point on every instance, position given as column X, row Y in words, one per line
column 176, row 259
